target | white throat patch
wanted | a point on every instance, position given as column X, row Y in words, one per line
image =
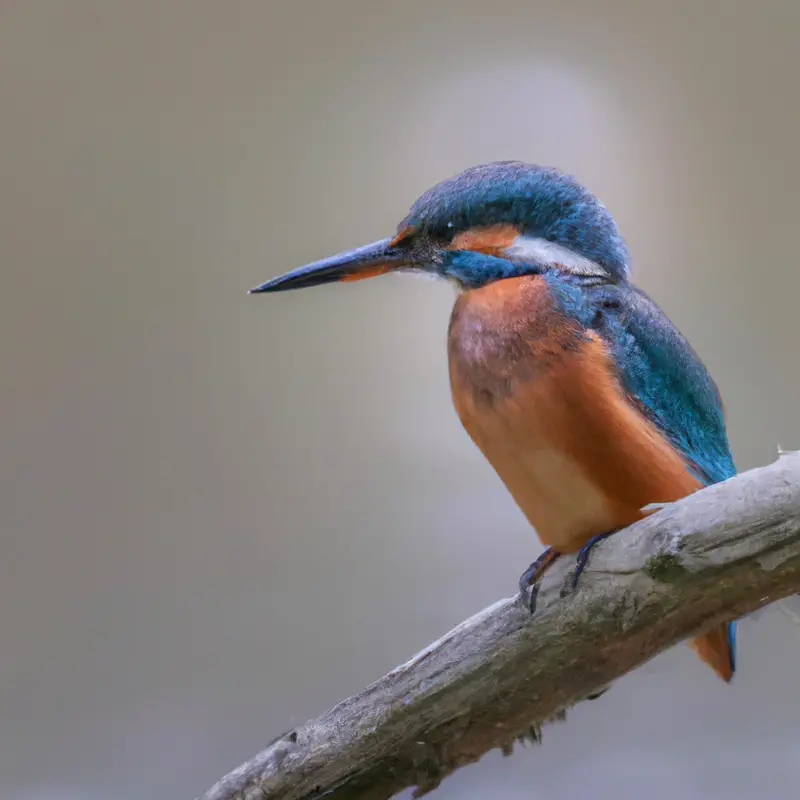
column 549, row 254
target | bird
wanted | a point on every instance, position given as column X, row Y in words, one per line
column 580, row 392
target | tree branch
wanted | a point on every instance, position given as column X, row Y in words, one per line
column 717, row 555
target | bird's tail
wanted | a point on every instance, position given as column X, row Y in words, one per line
column 717, row 648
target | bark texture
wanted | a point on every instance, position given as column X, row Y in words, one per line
column 717, row 555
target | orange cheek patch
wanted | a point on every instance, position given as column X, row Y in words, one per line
column 371, row 272
column 491, row 239
column 402, row 234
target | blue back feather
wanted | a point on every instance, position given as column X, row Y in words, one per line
column 658, row 368
column 661, row 373
column 664, row 375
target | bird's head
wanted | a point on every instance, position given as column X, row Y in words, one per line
column 493, row 221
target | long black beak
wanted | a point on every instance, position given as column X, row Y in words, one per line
column 363, row 262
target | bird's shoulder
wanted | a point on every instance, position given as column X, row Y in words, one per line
column 659, row 370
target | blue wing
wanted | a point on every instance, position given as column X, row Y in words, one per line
column 665, row 378
column 668, row 382
column 662, row 376
column 658, row 369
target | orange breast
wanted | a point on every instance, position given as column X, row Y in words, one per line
column 540, row 398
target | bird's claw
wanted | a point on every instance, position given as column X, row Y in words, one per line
column 583, row 560
column 528, row 595
column 529, row 579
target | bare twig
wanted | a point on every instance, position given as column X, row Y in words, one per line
column 717, row 555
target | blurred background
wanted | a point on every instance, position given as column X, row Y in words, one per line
column 222, row 514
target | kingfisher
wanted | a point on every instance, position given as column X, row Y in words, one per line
column 584, row 397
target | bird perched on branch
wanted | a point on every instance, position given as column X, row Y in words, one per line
column 580, row 392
